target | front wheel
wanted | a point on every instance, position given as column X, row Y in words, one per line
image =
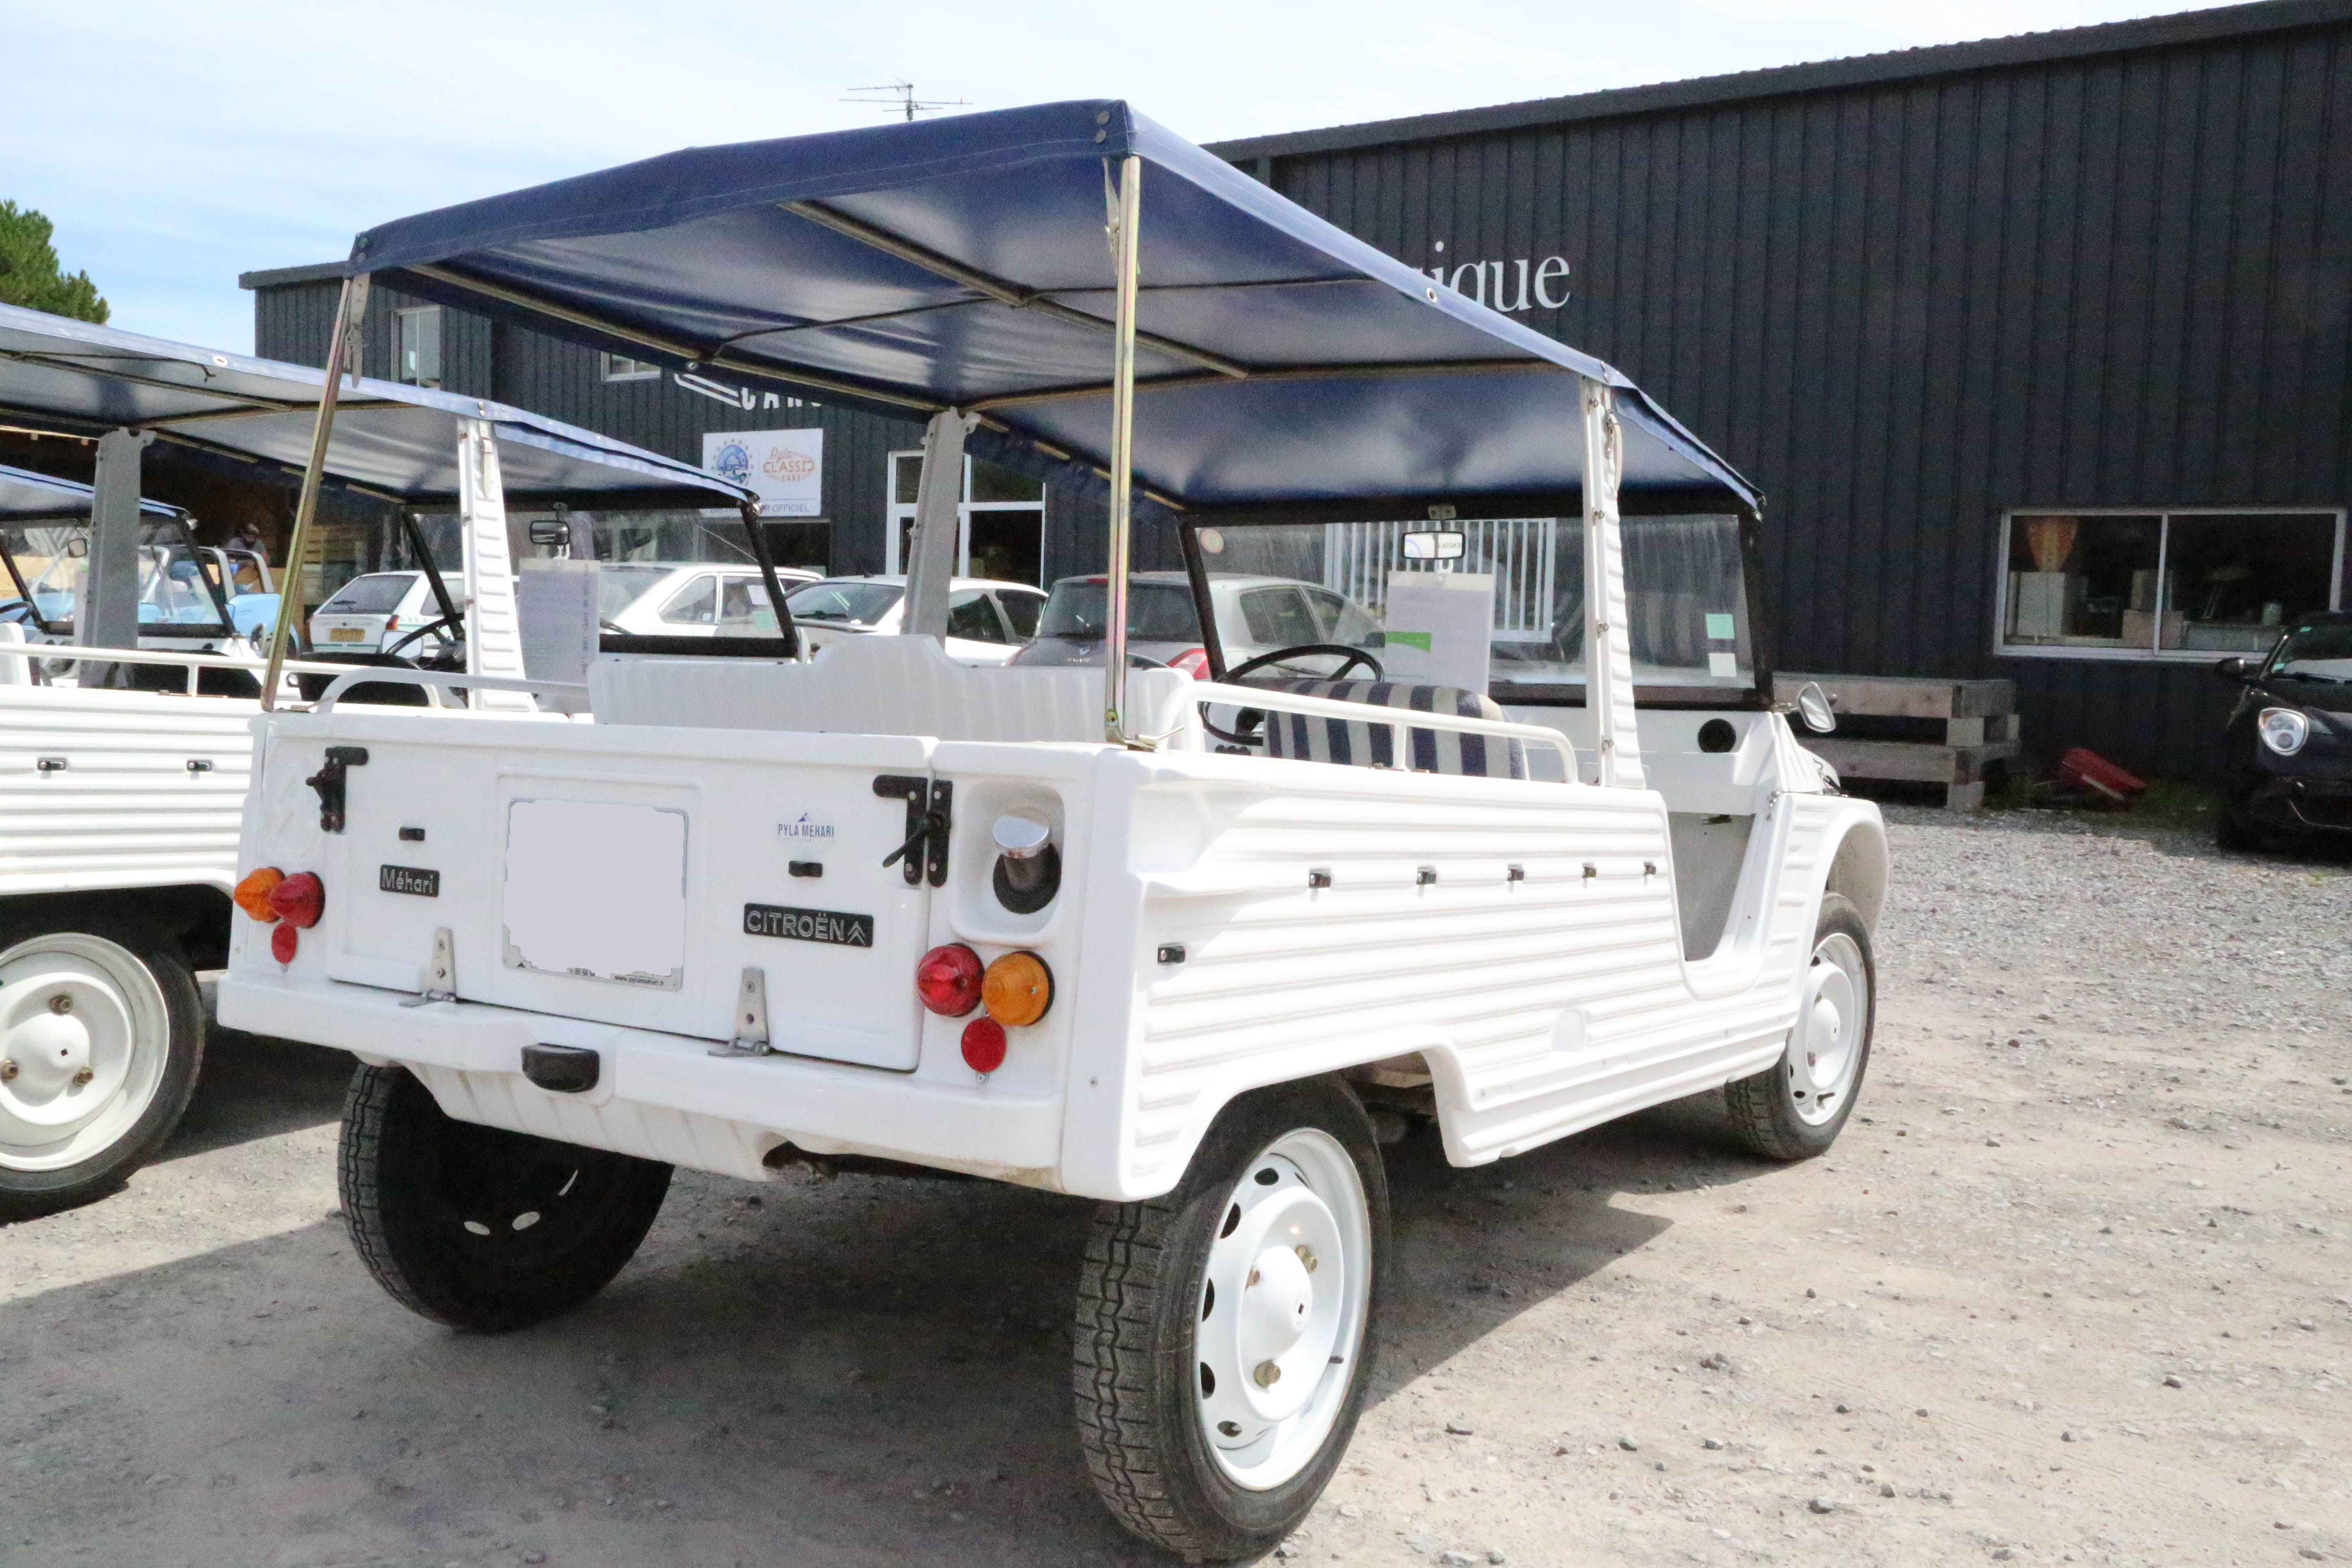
column 476, row 1226
column 1795, row 1108
column 101, row 1033
column 1225, row 1332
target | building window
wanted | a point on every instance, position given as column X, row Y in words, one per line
column 2164, row 584
column 1002, row 518
column 621, row 367
column 418, row 345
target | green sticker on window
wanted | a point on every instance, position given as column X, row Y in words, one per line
column 1410, row 639
column 1719, row 628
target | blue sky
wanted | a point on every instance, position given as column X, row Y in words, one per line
column 177, row 145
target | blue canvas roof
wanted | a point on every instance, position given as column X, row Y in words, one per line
column 26, row 496
column 963, row 262
column 391, row 440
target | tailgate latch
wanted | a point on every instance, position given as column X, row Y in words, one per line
column 930, row 814
column 751, row 1039
column 329, row 782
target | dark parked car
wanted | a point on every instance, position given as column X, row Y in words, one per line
column 2291, row 738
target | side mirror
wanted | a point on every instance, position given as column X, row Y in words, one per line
column 2233, row 670
column 1434, row 544
column 1814, row 708
column 78, row 547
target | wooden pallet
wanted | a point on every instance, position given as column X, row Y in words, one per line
column 1979, row 719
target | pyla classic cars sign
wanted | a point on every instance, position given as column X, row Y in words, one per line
column 785, row 467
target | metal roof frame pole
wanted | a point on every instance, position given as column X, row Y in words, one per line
column 1124, row 219
column 1608, row 638
column 938, row 520
column 350, row 310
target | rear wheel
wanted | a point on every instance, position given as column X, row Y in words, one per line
column 476, row 1226
column 101, row 1032
column 1795, row 1108
column 1225, row 1332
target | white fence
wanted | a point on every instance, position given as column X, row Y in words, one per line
column 1519, row 550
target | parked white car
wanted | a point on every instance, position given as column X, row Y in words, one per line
column 988, row 621
column 384, row 612
column 662, row 599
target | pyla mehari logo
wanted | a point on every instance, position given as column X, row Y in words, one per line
column 732, row 462
column 784, row 463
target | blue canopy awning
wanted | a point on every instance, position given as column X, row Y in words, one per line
column 27, row 497
column 963, row 262
column 392, row 440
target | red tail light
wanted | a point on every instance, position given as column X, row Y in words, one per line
column 1192, row 661
column 299, row 899
column 983, row 1045
column 948, row 980
column 283, row 940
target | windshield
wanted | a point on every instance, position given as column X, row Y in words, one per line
column 51, row 563
column 377, row 593
column 1079, row 609
column 1487, row 602
column 844, row 601
column 2319, row 651
column 618, row 585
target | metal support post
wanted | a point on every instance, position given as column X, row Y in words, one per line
column 108, row 614
column 493, row 616
column 939, row 509
column 1608, row 640
column 1124, row 219
column 342, row 349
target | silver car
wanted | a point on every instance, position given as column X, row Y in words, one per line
column 1255, row 617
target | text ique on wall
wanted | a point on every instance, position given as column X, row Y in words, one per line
column 1522, row 284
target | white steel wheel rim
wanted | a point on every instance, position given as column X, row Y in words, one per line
column 1279, row 1323
column 85, row 1034
column 1825, row 1050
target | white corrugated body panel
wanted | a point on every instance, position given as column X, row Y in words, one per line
column 1541, row 1005
column 126, row 810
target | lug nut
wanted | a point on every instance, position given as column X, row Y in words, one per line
column 1305, row 1256
column 8, row 1070
column 1268, row 1375
column 61, row 1002
column 82, row 1079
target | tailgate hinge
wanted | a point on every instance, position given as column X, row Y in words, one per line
column 930, row 815
column 329, row 782
column 751, row 1018
column 441, row 976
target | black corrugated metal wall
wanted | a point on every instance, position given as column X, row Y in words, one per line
column 1902, row 307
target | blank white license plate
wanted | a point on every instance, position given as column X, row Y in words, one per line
column 596, row 890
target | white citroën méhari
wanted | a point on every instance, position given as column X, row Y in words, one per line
column 1191, row 949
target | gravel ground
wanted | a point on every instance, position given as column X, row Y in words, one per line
column 2073, row 1289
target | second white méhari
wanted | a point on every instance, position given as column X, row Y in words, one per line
column 1191, row 949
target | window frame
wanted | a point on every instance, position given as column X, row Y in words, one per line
column 400, row 319
column 641, row 369
column 901, row 514
column 2003, row 648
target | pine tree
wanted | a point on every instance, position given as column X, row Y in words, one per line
column 29, row 273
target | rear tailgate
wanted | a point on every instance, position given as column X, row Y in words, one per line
column 628, row 875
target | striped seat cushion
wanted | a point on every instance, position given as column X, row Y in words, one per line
column 1353, row 743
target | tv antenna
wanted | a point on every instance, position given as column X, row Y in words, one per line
column 902, row 96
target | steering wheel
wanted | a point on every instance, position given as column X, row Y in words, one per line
column 393, row 649
column 1248, row 719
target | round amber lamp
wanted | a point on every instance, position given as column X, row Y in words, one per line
column 1017, row 989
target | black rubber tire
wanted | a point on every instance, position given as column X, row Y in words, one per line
column 2233, row 830
column 24, row 1194
column 1132, row 1356
column 415, row 1182
column 1763, row 1112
